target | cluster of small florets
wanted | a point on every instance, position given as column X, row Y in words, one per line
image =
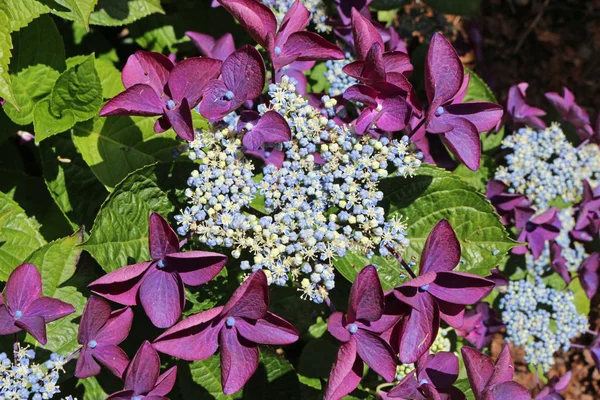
column 545, row 166
column 317, row 8
column 338, row 80
column 541, row 319
column 573, row 252
column 298, row 233
column 24, row 379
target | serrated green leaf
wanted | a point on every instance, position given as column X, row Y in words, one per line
column 46, row 124
column 581, row 301
column 92, row 389
column 120, row 234
column 434, row 194
column 21, row 12
column 6, row 91
column 156, row 33
column 116, row 146
column 464, row 386
column 110, row 78
column 122, row 12
column 78, row 90
column 317, row 80
column 81, row 11
column 19, row 236
column 71, row 183
column 389, row 269
column 456, row 7
column 38, row 58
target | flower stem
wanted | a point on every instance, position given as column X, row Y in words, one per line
column 402, row 262
column 578, row 346
column 591, row 332
column 330, row 305
column 419, row 125
column 73, row 355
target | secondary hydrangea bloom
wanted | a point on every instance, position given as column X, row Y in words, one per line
column 536, row 231
column 572, row 112
column 22, row 306
column 432, row 378
column 101, row 330
column 23, row 378
column 588, row 214
column 143, row 378
column 541, row 319
column 438, row 292
column 545, row 166
column 480, row 324
column 158, row 285
column 236, row 328
column 323, row 166
column 520, row 111
column 458, row 123
column 219, row 49
column 154, row 86
column 589, row 275
column 337, row 79
column 360, row 332
column 492, row 381
column 554, row 387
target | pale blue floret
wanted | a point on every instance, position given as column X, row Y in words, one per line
column 18, row 314
column 230, row 322
column 93, row 344
column 338, row 80
column 170, row 104
column 352, row 328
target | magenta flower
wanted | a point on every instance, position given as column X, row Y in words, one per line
column 536, row 230
column 25, row 307
column 572, row 112
column 290, row 42
column 479, row 325
column 492, row 381
column 236, row 327
column 558, row 263
column 589, row 274
column 218, row 49
column 153, row 86
column 432, row 378
column 458, row 123
column 158, row 285
column 101, row 330
column 385, row 108
column 143, row 379
column 556, row 385
column 595, row 351
column 520, row 111
column 507, row 205
column 436, row 292
column 258, row 130
column 587, row 225
column 360, row 332
column 242, row 78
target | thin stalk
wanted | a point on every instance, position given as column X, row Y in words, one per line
column 578, row 346
column 330, row 305
column 402, row 262
column 72, row 355
column 420, row 124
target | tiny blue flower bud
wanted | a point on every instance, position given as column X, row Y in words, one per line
column 352, row 328
column 18, row 314
column 160, row 264
column 229, row 95
column 439, row 111
column 423, row 382
column 424, row 288
column 93, row 344
column 230, row 322
column 277, row 50
column 170, row 104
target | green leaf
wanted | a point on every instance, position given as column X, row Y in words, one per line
column 581, row 301
column 157, row 33
column 21, row 12
column 317, row 80
column 110, row 78
column 434, row 194
column 79, row 90
column 46, row 124
column 38, row 58
column 456, row 7
column 275, row 378
column 5, row 54
column 120, row 234
column 71, row 183
column 19, row 236
column 92, row 389
column 388, row 4
column 478, row 179
column 81, row 11
column 389, row 269
column 316, row 360
column 116, row 146
column 122, row 12
column 464, row 386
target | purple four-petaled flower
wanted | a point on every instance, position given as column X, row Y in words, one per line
column 536, row 230
column 520, row 111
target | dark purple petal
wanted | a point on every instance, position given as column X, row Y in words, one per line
column 251, row 299
column 558, row 263
column 147, row 68
column 394, row 115
column 24, row 285
column 366, row 296
column 363, row 94
column 504, row 368
column 180, row 119
column 244, row 73
column 86, row 365
column 189, row 77
column 122, row 395
column 48, row 308
column 162, row 296
column 440, row 370
column 386, row 322
column 161, row 237
column 460, row 287
column 274, row 156
column 142, row 373
column 256, row 18
column 463, row 142
column 95, row 314
column 373, row 69
column 268, row 330
column 480, row 369
column 196, row 267
column 452, row 314
column 271, row 128
column 194, row 338
column 307, row 46
column 419, row 330
column 408, row 388
column 345, row 373
column 35, row 326
column 510, row 390
column 336, row 325
column 485, row 116
column 377, row 354
column 442, row 249
column 397, row 61
column 589, row 274
column 138, row 99
column 365, row 35
column 443, row 71
column 162, row 125
column 117, row 327
column 7, row 321
column 215, row 104
column 239, row 360
column 205, row 43
column 295, row 20
column 121, row 285
column 112, row 357
column 165, row 383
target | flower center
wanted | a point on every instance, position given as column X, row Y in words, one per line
column 277, row 50
column 230, row 322
column 170, row 104
column 424, row 288
column 352, row 328
column 93, row 344
column 379, row 107
column 249, row 126
column 160, row 264
column 439, row 111
column 18, row 314
column 229, row 95
column 423, row 382
column 136, row 398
